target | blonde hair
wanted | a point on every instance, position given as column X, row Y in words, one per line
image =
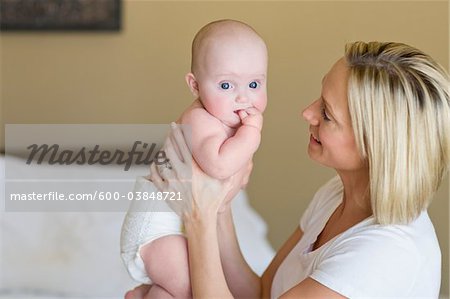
column 399, row 101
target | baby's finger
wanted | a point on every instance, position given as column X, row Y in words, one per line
column 242, row 114
column 252, row 111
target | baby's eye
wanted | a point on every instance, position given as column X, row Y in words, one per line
column 225, row 85
column 253, row 84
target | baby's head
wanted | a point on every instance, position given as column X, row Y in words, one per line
column 228, row 69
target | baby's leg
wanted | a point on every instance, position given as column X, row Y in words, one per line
column 166, row 263
column 138, row 292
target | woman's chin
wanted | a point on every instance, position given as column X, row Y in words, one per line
column 313, row 154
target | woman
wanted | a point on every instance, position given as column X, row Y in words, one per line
column 382, row 122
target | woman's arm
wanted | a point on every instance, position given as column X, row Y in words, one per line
column 243, row 282
column 241, row 279
column 207, row 275
column 311, row 289
column 268, row 275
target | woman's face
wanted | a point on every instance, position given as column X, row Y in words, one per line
column 332, row 142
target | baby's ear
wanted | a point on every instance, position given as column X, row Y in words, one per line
column 192, row 83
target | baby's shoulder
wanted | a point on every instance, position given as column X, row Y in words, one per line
column 195, row 115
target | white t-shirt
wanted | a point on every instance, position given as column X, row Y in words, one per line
column 366, row 261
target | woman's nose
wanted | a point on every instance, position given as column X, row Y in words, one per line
column 310, row 114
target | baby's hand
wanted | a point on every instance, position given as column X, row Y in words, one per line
column 251, row 117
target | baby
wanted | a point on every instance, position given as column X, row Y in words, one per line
column 228, row 79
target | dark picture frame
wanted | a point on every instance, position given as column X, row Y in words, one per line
column 103, row 15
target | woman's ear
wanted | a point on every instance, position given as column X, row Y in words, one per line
column 192, row 83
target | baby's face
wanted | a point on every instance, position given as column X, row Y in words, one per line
column 233, row 78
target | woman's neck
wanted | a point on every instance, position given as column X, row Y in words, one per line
column 356, row 197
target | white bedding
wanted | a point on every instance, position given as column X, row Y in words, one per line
column 76, row 254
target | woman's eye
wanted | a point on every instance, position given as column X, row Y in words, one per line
column 253, row 84
column 324, row 114
column 225, row 85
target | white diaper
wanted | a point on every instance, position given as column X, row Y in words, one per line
column 140, row 228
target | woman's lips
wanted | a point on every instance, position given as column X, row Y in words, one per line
column 314, row 140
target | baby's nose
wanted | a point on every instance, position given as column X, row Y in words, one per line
column 242, row 97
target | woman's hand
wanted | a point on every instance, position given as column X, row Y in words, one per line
column 241, row 177
column 202, row 195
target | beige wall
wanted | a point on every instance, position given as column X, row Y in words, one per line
column 136, row 76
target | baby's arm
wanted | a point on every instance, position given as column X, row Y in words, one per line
column 219, row 155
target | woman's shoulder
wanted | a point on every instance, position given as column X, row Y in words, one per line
column 329, row 193
column 416, row 231
column 325, row 200
column 417, row 239
column 404, row 258
column 332, row 185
